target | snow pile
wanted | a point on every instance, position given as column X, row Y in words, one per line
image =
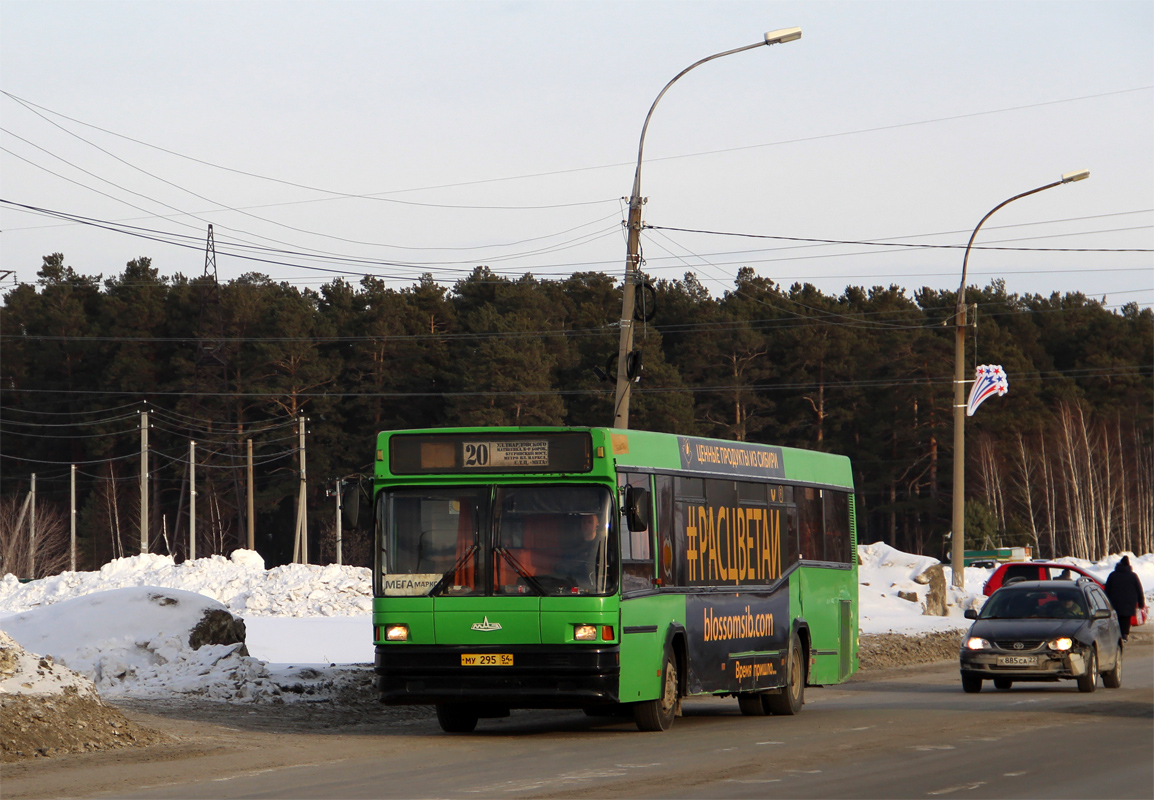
column 135, row 642
column 240, row 583
column 884, row 571
column 26, row 673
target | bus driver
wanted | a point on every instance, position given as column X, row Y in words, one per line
column 584, row 551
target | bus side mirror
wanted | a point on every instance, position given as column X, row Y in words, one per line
column 352, row 498
column 637, row 508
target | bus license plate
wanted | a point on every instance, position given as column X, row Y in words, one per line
column 486, row 659
column 1017, row 661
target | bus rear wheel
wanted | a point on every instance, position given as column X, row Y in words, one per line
column 657, row 715
column 752, row 705
column 792, row 696
column 456, row 717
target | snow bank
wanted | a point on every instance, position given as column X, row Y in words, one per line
column 240, row 583
column 26, row 673
column 884, row 571
column 134, row 642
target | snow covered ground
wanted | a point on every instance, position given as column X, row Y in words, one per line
column 126, row 626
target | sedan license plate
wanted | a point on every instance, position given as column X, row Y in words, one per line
column 486, row 659
column 1017, row 661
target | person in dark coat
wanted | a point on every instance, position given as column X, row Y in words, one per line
column 1125, row 593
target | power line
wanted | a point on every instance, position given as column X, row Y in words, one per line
column 1122, row 370
column 921, row 246
column 376, row 196
column 698, row 154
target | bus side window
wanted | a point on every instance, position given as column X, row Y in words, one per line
column 637, row 572
column 667, row 560
column 836, row 526
column 809, row 508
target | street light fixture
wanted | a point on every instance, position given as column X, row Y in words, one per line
column 957, row 551
column 627, row 367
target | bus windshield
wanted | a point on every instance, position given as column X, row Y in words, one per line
column 502, row 540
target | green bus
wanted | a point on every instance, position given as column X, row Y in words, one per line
column 616, row 571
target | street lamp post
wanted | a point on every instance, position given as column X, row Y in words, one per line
column 625, row 374
column 957, row 553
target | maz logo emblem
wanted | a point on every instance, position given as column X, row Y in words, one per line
column 486, row 625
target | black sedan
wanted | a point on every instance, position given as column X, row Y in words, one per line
column 1043, row 631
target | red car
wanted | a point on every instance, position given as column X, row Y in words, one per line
column 1033, row 571
column 1016, row 571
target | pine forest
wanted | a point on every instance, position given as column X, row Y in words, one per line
column 1063, row 463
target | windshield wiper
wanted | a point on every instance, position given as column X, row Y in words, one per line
column 436, row 587
column 519, row 569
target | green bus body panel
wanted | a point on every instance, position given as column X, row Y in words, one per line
column 523, row 620
column 416, row 612
column 519, row 619
column 824, row 597
column 642, row 651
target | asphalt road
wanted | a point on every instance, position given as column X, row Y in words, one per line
column 902, row 733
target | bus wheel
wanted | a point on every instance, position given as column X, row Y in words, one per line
column 752, row 705
column 456, row 718
column 792, row 695
column 657, row 715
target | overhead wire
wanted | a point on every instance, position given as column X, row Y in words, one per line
column 1113, row 371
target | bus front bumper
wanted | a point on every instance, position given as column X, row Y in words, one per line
column 540, row 676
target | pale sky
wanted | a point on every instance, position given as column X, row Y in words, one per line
column 438, row 136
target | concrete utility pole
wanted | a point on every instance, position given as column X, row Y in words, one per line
column 301, row 542
column 337, row 492
column 251, row 522
column 191, row 500
column 32, row 529
column 143, row 482
column 627, row 367
column 958, row 508
column 72, row 519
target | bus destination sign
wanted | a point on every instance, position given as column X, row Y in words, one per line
column 497, row 453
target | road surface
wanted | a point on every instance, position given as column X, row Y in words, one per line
column 903, row 733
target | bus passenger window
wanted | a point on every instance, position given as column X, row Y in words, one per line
column 836, row 526
column 809, row 513
column 637, row 571
column 666, row 544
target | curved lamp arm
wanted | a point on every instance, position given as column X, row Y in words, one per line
column 771, row 38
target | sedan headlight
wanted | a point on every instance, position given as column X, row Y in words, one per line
column 1063, row 643
column 976, row 643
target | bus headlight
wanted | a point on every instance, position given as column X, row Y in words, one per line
column 1063, row 643
column 397, row 633
column 585, row 633
column 976, row 643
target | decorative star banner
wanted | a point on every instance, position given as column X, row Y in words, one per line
column 989, row 379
